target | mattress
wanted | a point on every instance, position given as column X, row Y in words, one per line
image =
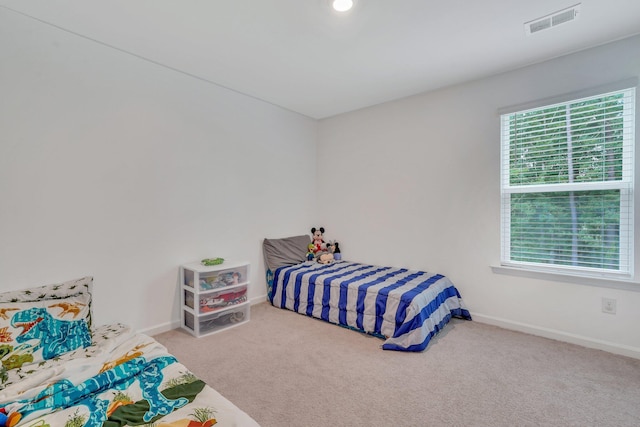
column 405, row 307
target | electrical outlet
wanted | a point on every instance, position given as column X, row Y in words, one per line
column 609, row 305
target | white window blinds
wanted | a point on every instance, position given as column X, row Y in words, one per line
column 567, row 185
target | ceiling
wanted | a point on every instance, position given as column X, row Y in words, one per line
column 302, row 56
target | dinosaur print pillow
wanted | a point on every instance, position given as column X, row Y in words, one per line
column 52, row 291
column 34, row 331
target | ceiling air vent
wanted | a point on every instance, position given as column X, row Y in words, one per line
column 560, row 17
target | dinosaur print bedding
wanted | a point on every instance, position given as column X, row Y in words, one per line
column 122, row 379
column 50, row 375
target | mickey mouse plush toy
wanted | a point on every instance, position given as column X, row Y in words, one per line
column 317, row 240
column 323, row 253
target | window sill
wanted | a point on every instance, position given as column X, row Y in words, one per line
column 604, row 282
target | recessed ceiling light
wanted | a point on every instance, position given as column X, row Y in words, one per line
column 342, row 5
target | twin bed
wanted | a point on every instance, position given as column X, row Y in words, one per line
column 404, row 307
column 58, row 370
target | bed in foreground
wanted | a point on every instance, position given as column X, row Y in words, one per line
column 405, row 307
column 59, row 371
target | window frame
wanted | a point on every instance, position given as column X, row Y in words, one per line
column 625, row 186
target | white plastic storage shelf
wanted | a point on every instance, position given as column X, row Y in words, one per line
column 214, row 298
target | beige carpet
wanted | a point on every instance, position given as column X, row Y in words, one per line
column 285, row 369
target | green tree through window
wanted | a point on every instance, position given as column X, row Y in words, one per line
column 567, row 184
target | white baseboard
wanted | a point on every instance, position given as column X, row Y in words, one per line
column 175, row 324
column 155, row 330
column 259, row 299
column 553, row 334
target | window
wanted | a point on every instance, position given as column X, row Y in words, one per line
column 567, row 186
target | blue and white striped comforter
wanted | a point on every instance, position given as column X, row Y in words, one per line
column 406, row 307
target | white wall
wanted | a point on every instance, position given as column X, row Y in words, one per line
column 415, row 183
column 118, row 168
